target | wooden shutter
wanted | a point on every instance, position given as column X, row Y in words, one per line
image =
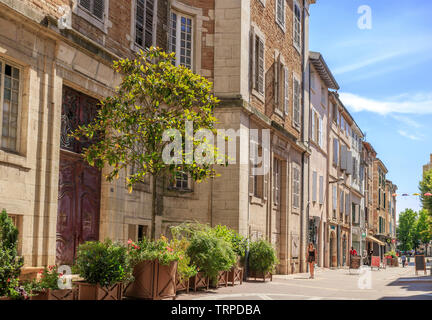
column 276, row 81
column 343, row 157
column 347, row 204
column 320, row 131
column 313, row 125
column 349, row 162
column 341, row 205
column 335, row 151
column 296, row 102
column 260, row 65
column 253, row 146
column 266, row 175
column 252, row 59
column 334, row 198
column 286, row 90
column 314, row 186
column 99, row 8
column 321, row 192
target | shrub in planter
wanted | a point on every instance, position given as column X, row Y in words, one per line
column 262, row 258
column 211, row 254
column 10, row 264
column 154, row 269
column 185, row 269
column 105, row 266
column 47, row 287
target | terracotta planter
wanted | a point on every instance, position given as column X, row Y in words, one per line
column 66, row 294
column 260, row 275
column 4, row 298
column 153, row 281
column 200, row 280
column 89, row 291
column 182, row 285
column 235, row 275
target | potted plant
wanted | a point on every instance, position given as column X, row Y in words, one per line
column 47, row 286
column 105, row 266
column 154, row 270
column 185, row 270
column 262, row 260
column 212, row 255
column 10, row 263
column 238, row 244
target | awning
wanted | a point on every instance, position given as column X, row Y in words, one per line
column 375, row 240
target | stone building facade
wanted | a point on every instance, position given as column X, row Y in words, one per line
column 321, row 80
column 55, row 59
column 428, row 166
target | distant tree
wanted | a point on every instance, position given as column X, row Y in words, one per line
column 406, row 231
column 424, row 227
column 426, row 187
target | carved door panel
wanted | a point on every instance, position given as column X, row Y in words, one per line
column 79, row 183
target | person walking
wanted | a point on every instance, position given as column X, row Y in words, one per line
column 403, row 260
column 311, row 258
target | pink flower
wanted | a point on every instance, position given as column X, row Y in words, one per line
column 130, row 241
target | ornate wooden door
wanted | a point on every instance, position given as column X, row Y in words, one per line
column 79, row 183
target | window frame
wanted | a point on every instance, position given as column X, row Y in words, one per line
column 101, row 24
column 295, row 22
column 281, row 24
column 179, row 15
column 296, row 184
column 134, row 45
column 3, row 63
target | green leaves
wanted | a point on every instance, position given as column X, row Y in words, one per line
column 262, row 257
column 103, row 263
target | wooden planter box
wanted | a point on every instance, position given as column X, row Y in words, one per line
column 66, row 294
column 182, row 285
column 4, row 298
column 355, row 262
column 153, row 281
column 235, row 275
column 89, row 291
column 199, row 281
column 222, row 280
column 389, row 262
column 260, row 275
column 395, row 262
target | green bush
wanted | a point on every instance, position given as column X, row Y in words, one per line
column 211, row 254
column 10, row 264
column 391, row 253
column 185, row 269
column 103, row 263
column 144, row 250
column 262, row 257
column 237, row 241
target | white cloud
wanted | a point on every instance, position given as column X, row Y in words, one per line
column 413, row 104
column 409, row 135
column 407, row 121
column 362, row 64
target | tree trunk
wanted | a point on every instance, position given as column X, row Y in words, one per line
column 153, row 219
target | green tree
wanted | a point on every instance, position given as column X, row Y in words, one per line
column 154, row 98
column 424, row 227
column 426, row 187
column 406, row 229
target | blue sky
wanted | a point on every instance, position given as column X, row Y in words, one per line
column 385, row 79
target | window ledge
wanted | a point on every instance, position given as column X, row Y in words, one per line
column 257, row 200
column 259, row 96
column 13, row 159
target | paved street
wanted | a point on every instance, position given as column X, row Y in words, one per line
column 391, row 283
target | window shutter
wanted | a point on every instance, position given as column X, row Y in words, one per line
column 319, row 131
column 313, row 125
column 265, row 178
column 314, row 186
column 349, row 163
column 341, row 206
column 260, row 65
column 252, row 59
column 296, row 102
column 149, row 23
column 321, row 186
column 335, row 151
column 99, row 8
column 334, row 198
column 276, row 81
column 86, row 4
column 347, row 204
column 252, row 151
column 343, row 157
column 286, row 90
